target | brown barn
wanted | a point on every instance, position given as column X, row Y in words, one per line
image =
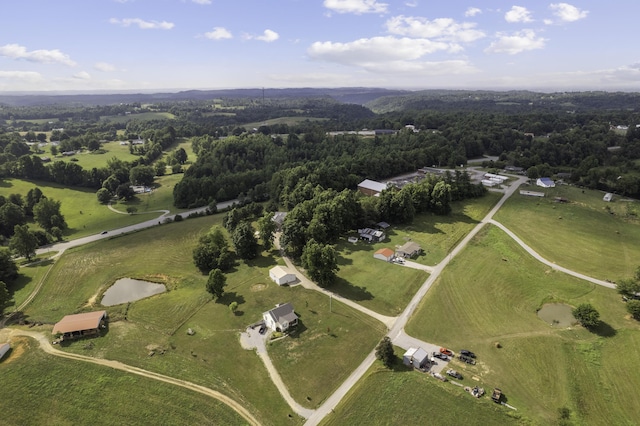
column 80, row 325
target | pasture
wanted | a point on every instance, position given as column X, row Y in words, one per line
column 69, row 391
column 489, row 296
column 142, row 116
column 407, row 397
column 586, row 234
column 98, row 159
column 213, row 355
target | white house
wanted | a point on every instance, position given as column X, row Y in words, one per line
column 385, row 254
column 415, row 357
column 4, row 348
column 280, row 318
column 408, row 249
column 545, row 182
column 281, row 276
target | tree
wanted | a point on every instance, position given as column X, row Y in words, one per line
column 633, row 307
column 586, row 315
column 244, row 241
column 10, row 216
column 180, row 156
column 47, row 214
column 125, row 192
column 8, row 268
column 33, row 197
column 320, row 261
column 5, row 297
column 216, row 282
column 267, row 228
column 212, row 252
column 104, row 196
column 54, row 150
column 628, row 287
column 160, row 168
column 233, row 307
column 23, row 242
column 385, row 353
column 132, row 210
column 142, row 175
column 111, row 184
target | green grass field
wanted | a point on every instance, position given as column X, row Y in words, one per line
column 213, row 357
column 290, row 121
column 67, row 392
column 88, row 160
column 490, row 294
column 143, row 116
column 407, row 397
column 587, row 234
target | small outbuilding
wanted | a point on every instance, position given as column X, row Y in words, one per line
column 81, row 325
column 281, row 318
column 545, row 182
column 281, row 276
column 385, row 254
column 607, row 197
column 415, row 357
column 408, row 250
column 371, row 187
column 4, row 348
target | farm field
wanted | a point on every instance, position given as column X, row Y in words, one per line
column 67, row 391
column 211, row 356
column 88, row 160
column 404, row 396
column 586, row 234
column 142, row 116
column 490, row 295
column 290, row 121
column 79, row 206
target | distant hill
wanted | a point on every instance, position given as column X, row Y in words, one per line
column 352, row 95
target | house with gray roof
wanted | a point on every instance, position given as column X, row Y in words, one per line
column 281, row 318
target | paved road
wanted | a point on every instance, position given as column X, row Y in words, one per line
column 46, row 346
column 61, row 247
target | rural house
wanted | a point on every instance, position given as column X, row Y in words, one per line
column 545, row 182
column 281, row 276
column 80, row 325
column 408, row 250
column 278, row 218
column 371, row 187
column 280, row 318
column 385, row 254
column 415, row 357
column 371, row 235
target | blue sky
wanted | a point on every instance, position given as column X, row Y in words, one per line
column 119, row 45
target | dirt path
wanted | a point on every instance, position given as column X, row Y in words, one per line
column 46, row 346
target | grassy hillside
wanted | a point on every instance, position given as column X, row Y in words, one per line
column 586, row 234
column 490, row 295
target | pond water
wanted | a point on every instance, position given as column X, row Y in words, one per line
column 129, row 290
column 557, row 314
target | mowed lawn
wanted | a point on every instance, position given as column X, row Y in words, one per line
column 489, row 296
column 79, row 206
column 407, row 397
column 213, row 356
column 142, row 116
column 98, row 159
column 67, row 392
column 586, row 234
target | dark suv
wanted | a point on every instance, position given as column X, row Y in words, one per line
column 467, row 353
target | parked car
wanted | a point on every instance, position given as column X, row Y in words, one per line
column 446, row 351
column 440, row 356
column 467, row 359
column 103, row 232
column 262, row 330
column 467, row 353
column 454, row 373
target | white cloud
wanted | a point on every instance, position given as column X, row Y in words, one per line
column 518, row 42
column 202, row 1
column 472, row 11
column 82, row 75
column 518, row 14
column 357, row 7
column 104, row 67
column 142, row 24
column 268, row 36
column 15, row 51
column 442, row 29
column 567, row 13
column 21, row 75
column 378, row 52
column 411, row 4
column 218, row 33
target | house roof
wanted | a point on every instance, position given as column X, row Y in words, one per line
column 418, row 354
column 79, row 322
column 278, row 217
column 283, row 312
column 386, row 252
column 372, row 185
column 278, row 271
column 410, row 247
column 546, row 180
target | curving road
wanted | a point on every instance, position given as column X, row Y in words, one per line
column 46, row 346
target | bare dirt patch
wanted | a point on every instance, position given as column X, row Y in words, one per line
column 18, row 345
column 258, row 287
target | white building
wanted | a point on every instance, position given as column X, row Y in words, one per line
column 280, row 318
column 545, row 182
column 281, row 276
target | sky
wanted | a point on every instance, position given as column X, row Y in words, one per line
column 171, row 45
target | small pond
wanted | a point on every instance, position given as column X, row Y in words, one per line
column 129, row 290
column 557, row 314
